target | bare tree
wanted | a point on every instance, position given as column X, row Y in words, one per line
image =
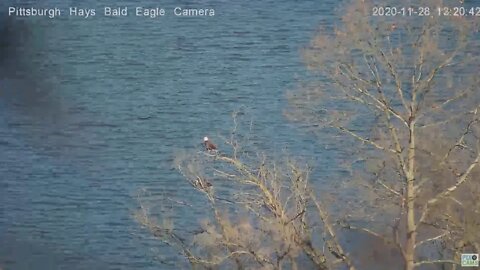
column 404, row 90
column 261, row 213
column 414, row 80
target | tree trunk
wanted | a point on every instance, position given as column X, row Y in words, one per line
column 411, row 226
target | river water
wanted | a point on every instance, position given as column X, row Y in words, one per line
column 93, row 110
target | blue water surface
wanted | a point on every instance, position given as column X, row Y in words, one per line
column 93, row 110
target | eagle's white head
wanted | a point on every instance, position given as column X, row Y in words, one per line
column 205, row 139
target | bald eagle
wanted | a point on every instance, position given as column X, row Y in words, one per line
column 209, row 146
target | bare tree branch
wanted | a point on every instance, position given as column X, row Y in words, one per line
column 362, row 139
column 436, row 262
column 431, row 239
column 450, row 189
column 324, row 216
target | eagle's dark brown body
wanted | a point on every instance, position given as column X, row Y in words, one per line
column 209, row 146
